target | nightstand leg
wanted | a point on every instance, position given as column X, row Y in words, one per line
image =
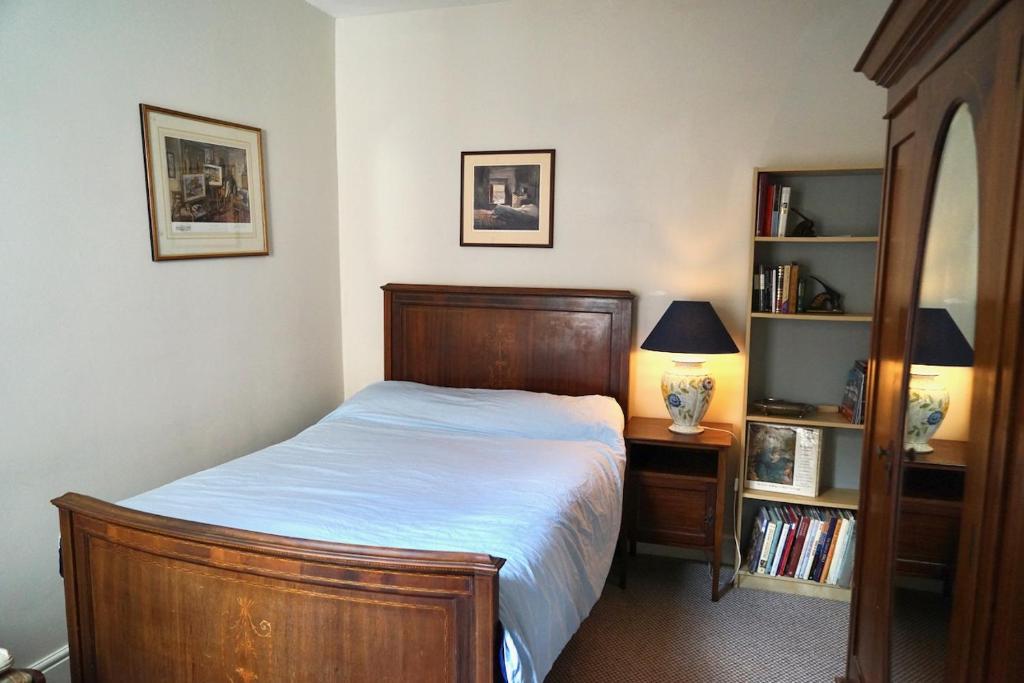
column 716, row 573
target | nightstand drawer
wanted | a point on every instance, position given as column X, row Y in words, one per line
column 673, row 510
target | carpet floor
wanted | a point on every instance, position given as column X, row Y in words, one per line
column 664, row 627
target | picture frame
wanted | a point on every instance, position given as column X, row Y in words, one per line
column 209, row 200
column 783, row 459
column 507, row 199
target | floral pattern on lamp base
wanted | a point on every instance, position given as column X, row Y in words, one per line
column 927, row 406
column 688, row 389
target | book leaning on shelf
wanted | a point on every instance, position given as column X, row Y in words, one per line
column 783, row 459
column 854, row 397
column 802, row 542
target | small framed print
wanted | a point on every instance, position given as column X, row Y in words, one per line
column 209, row 200
column 508, row 199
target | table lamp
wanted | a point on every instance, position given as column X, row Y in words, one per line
column 937, row 341
column 688, row 327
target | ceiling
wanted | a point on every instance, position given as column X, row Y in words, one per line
column 353, row 8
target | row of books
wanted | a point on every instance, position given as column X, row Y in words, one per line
column 772, row 208
column 855, row 396
column 778, row 288
column 802, row 542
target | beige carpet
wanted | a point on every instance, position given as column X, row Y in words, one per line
column 664, row 627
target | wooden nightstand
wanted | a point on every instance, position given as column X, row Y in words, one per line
column 931, row 504
column 675, row 492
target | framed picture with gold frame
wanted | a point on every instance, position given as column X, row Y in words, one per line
column 204, row 179
column 508, row 199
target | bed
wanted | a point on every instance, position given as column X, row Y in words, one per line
column 269, row 592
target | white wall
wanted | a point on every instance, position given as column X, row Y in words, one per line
column 658, row 110
column 116, row 373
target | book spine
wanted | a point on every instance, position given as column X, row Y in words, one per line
column 777, row 556
column 762, row 562
column 830, row 555
column 846, row 572
column 762, row 186
column 777, row 196
column 757, row 538
column 773, row 546
column 794, row 277
column 783, row 211
column 778, row 289
column 784, row 295
column 784, row 556
column 822, row 550
column 837, row 560
column 766, row 217
column 800, row 286
column 798, row 545
column 812, row 538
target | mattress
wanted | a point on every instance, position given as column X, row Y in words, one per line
column 532, row 478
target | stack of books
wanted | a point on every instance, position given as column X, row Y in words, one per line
column 853, row 403
column 778, row 289
column 772, row 208
column 802, row 542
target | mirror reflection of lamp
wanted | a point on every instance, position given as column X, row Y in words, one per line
column 689, row 327
column 937, row 342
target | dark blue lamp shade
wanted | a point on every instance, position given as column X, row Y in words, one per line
column 938, row 340
column 690, row 327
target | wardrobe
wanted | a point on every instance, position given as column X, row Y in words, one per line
column 939, row 580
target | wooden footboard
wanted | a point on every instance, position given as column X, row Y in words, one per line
column 154, row 599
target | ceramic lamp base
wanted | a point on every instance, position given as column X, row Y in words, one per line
column 687, row 388
column 927, row 406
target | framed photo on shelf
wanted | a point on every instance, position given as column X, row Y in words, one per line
column 508, row 199
column 783, row 459
column 208, row 200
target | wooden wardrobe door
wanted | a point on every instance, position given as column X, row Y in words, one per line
column 986, row 73
column 980, row 63
column 901, row 236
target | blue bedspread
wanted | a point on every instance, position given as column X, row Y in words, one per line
column 533, row 478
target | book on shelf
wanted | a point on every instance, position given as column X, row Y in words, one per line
column 778, row 288
column 783, row 458
column 783, row 211
column 754, row 551
column 804, row 542
column 772, row 214
column 855, row 395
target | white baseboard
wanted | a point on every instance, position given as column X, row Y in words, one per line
column 55, row 665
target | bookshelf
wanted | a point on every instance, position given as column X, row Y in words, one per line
column 805, row 356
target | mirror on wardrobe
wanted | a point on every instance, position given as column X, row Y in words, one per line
column 936, row 449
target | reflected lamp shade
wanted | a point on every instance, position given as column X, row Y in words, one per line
column 690, row 327
column 937, row 341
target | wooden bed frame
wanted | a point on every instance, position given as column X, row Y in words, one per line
column 152, row 599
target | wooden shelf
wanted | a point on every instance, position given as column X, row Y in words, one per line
column 837, row 169
column 828, row 498
column 822, row 418
column 786, row 584
column 849, row 239
column 824, row 317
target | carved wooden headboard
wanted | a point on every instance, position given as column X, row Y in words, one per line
column 560, row 341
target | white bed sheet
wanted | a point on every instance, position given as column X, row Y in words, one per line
column 550, row 507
